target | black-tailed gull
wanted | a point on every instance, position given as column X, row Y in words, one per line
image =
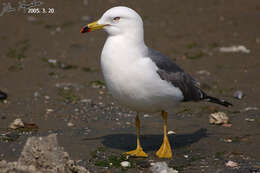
column 139, row 77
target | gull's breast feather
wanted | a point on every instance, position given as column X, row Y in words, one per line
column 135, row 83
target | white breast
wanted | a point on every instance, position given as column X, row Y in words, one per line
column 134, row 82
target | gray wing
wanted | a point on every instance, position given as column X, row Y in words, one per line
column 171, row 72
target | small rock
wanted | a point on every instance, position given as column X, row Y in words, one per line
column 227, row 125
column 42, row 155
column 3, row 95
column 231, row 164
column 186, row 156
column 52, row 61
column 203, row 72
column 70, row 124
column 36, row 94
column 49, row 110
column 171, row 132
column 85, row 2
column 147, row 115
column 250, row 119
column 86, row 101
column 162, row 167
column 47, row 97
column 218, row 118
column 125, row 164
column 58, row 29
column 251, row 109
column 101, row 92
column 238, row 94
column 17, row 123
column 239, row 48
column 228, row 140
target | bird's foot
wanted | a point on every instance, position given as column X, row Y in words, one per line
column 165, row 150
column 138, row 152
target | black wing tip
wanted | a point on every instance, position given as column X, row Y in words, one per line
column 226, row 104
column 218, row 101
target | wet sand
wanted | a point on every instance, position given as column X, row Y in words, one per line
column 53, row 78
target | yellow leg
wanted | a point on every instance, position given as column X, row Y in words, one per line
column 165, row 149
column 138, row 152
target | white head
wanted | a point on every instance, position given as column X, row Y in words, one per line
column 117, row 21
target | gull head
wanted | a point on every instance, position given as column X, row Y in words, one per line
column 117, row 21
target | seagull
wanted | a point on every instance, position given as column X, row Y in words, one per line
column 142, row 78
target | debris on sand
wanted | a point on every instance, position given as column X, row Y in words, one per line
column 239, row 48
column 228, row 140
column 218, row 118
column 17, row 123
column 42, row 155
column 147, row 115
column 70, row 124
column 231, row 164
column 238, row 94
column 162, row 167
column 251, row 109
column 171, row 132
column 203, row 72
column 125, row 164
column 250, row 119
column 3, row 95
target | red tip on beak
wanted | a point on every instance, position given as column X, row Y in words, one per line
column 84, row 29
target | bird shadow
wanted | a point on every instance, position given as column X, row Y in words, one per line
column 150, row 142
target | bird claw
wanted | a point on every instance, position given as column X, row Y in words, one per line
column 138, row 152
column 165, row 150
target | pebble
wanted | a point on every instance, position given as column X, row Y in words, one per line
column 49, row 110
column 227, row 125
column 239, row 48
column 36, row 94
column 228, row 140
column 250, row 119
column 125, row 164
column 203, row 72
column 17, row 123
column 171, row 132
column 218, row 118
column 86, row 101
column 52, row 61
column 85, row 2
column 251, row 109
column 147, row 115
column 162, row 167
column 70, row 124
column 47, row 97
column 58, row 29
column 231, row 164
column 3, row 95
column 238, row 94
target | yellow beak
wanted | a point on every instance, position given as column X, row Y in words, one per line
column 91, row 27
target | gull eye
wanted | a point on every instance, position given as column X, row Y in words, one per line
column 116, row 19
